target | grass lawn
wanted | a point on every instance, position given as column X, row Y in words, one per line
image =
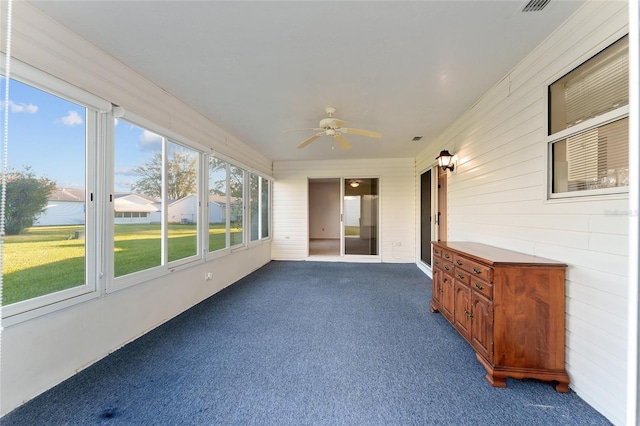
column 46, row 259
column 352, row 231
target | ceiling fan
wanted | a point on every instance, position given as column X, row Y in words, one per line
column 332, row 126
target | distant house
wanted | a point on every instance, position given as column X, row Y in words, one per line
column 135, row 208
column 65, row 206
column 185, row 210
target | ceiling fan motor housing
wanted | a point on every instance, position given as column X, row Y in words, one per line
column 329, row 123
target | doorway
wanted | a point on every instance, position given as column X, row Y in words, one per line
column 343, row 217
column 324, row 217
column 360, row 216
column 426, row 217
column 433, row 211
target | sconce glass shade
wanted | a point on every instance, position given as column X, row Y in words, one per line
column 445, row 160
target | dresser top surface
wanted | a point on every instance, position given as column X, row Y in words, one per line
column 494, row 255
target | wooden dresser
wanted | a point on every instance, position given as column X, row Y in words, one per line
column 509, row 306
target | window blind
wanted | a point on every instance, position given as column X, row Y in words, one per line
column 598, row 86
column 595, row 159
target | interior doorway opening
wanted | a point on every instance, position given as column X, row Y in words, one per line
column 324, row 217
column 343, row 217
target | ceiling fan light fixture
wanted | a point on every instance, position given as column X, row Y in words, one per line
column 332, row 127
column 354, row 183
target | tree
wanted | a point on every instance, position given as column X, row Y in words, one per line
column 27, row 197
column 181, row 176
column 235, row 179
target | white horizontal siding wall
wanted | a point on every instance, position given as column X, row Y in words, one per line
column 41, row 352
column 496, row 195
column 397, row 204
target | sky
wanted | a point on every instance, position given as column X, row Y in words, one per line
column 47, row 134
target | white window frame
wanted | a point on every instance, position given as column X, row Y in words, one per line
column 592, row 123
column 97, row 110
column 100, row 218
column 261, row 180
column 200, row 190
column 118, row 283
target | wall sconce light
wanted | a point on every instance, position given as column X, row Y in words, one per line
column 445, row 160
column 354, row 184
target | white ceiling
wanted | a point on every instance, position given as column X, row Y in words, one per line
column 402, row 68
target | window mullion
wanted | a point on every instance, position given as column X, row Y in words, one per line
column 592, row 123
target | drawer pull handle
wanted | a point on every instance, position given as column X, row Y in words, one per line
column 459, row 263
column 479, row 286
column 460, row 276
column 446, row 256
column 446, row 267
column 477, row 270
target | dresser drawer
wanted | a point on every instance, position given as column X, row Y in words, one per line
column 437, row 251
column 437, row 262
column 461, row 276
column 443, row 265
column 482, row 287
column 474, row 268
column 447, row 255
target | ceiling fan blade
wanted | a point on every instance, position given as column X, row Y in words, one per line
column 299, row 130
column 344, row 144
column 311, row 139
column 361, row 132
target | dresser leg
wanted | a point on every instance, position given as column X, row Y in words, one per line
column 562, row 387
column 496, row 382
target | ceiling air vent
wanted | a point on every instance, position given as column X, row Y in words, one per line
column 416, row 138
column 535, row 5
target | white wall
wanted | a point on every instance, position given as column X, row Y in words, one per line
column 62, row 213
column 185, row 208
column 324, row 209
column 397, row 204
column 41, row 352
column 497, row 196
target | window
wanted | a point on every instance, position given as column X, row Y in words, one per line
column 226, row 201
column 151, row 172
column 182, row 197
column 589, row 126
column 219, row 220
column 265, row 197
column 259, row 202
column 75, row 174
column 236, row 204
column 137, row 186
column 49, row 206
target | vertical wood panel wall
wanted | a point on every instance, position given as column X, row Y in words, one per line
column 397, row 204
column 497, row 196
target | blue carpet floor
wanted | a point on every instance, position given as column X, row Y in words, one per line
column 303, row 343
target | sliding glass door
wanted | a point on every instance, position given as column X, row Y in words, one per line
column 360, row 216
